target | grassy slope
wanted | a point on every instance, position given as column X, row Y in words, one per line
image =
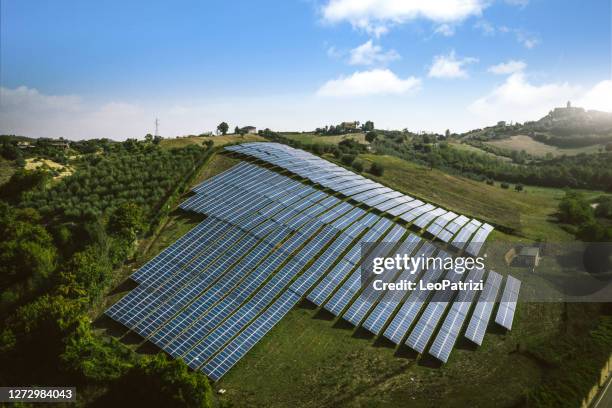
column 306, row 361
column 529, row 212
column 524, row 142
column 311, row 138
column 218, row 140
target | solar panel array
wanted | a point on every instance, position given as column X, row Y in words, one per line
column 366, row 191
column 267, row 242
column 507, row 306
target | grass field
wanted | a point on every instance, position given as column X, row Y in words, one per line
column 524, row 142
column 474, row 149
column 218, row 140
column 306, row 361
column 311, row 138
column 7, row 169
column 35, row 163
column 529, row 213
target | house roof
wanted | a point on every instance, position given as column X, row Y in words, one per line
column 529, row 251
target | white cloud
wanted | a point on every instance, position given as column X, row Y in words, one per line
column 447, row 30
column 519, row 100
column 508, row 67
column 528, row 40
column 376, row 16
column 373, row 82
column 598, row 97
column 449, row 66
column 370, row 54
column 333, row 52
column 485, row 27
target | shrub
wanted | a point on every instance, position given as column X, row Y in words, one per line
column 377, row 169
column 348, row 159
column 358, row 166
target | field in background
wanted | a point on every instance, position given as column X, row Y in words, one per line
column 311, row 138
column 218, row 140
column 524, row 142
column 530, row 213
column 35, row 163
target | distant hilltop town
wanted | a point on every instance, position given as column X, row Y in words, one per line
column 576, row 116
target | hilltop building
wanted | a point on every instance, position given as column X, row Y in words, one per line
column 249, row 130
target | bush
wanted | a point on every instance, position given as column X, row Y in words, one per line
column 505, row 185
column 357, row 166
column 159, row 382
column 377, row 169
column 518, row 187
column 348, row 159
column 490, row 182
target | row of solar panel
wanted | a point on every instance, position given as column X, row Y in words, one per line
column 204, row 316
column 373, row 315
column 444, row 224
column 187, row 333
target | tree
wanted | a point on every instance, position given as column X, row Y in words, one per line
column 575, row 209
column 148, row 138
column 237, row 130
column 505, row 186
column 518, row 187
column 27, row 253
column 157, row 139
column 371, row 136
column 368, row 126
column 357, row 165
column 156, row 381
column 377, row 169
column 223, row 128
column 127, row 221
column 22, row 181
column 447, row 134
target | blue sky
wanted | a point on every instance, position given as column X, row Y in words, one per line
column 107, row 69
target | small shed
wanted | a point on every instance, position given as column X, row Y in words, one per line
column 529, row 256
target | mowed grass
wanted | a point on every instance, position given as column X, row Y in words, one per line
column 526, row 143
column 311, row 138
column 218, row 140
column 473, row 149
column 306, row 361
column 530, row 213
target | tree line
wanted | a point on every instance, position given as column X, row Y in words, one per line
column 60, row 245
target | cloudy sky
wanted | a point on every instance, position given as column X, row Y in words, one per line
column 107, row 69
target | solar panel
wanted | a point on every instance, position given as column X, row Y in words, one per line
column 425, row 327
column 409, row 311
column 483, row 309
column 368, row 297
column 392, row 299
column 246, row 340
column 507, row 306
column 449, row 332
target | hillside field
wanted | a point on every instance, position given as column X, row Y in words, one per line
column 526, row 143
column 311, row 138
column 218, row 140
